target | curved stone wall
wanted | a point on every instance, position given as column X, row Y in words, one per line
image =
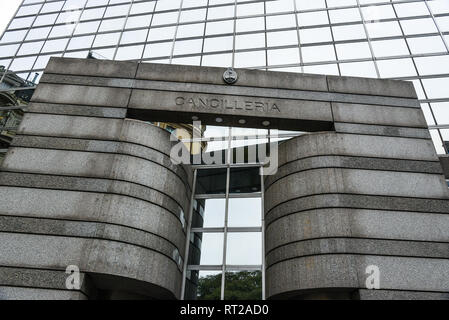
column 114, row 205
column 342, row 202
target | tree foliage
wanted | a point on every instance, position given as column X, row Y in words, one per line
column 242, row 285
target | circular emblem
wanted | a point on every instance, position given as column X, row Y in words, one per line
column 230, row 76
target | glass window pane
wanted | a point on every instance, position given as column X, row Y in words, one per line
column 245, row 212
column 244, row 248
column 211, row 181
column 212, row 249
column 214, row 213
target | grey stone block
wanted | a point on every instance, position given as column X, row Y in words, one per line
column 355, row 181
column 83, row 95
column 374, row 87
column 93, row 207
column 86, row 81
column 359, row 247
column 43, row 279
column 92, row 67
column 230, row 105
column 327, row 272
column 382, row 130
column 378, row 115
column 93, row 230
column 401, row 295
column 70, row 126
column 91, row 256
column 115, row 167
column 354, row 163
column 357, row 223
column 19, row 293
column 323, row 201
column 356, row 145
column 65, row 109
column 212, row 75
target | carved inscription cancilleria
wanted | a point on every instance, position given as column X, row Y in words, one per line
column 225, row 104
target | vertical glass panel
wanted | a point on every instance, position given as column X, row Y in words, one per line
column 383, row 29
column 188, row 46
column 214, row 213
column 432, row 65
column 112, row 24
column 108, row 39
column 315, row 35
column 318, row 53
column 134, row 36
column 157, row 34
column 418, row 26
column 347, row 51
column 245, row 212
column 250, row 59
column 441, row 112
column 20, row 64
column 282, row 38
column 192, row 15
column 129, row 53
column 55, row 45
column 220, row 27
column 154, row 50
column 281, row 21
column 426, row 45
column 390, row 48
column 42, row 61
column 8, row 50
column 244, row 248
column 250, row 24
column 250, row 41
column 221, row 12
column 191, row 61
column 87, row 27
column 211, row 181
column 312, row 18
column 344, row 15
column 330, row 69
column 38, row 33
column 142, row 7
column 427, row 113
column 190, row 30
column 80, row 42
column 218, row 44
column 212, row 249
column 21, row 23
column 283, row 56
column 244, row 180
column 13, row 36
column 64, row 30
column 30, row 47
